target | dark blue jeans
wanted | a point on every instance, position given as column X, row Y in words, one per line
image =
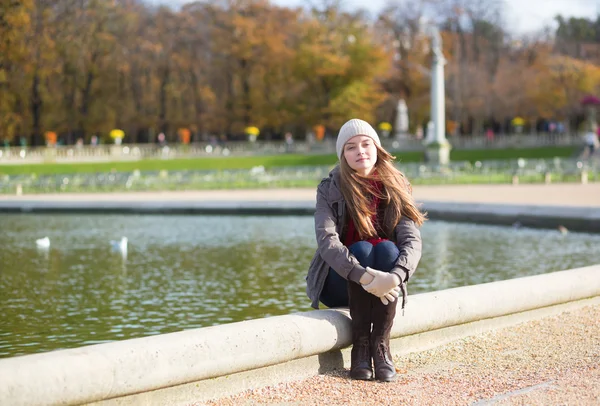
column 382, row 257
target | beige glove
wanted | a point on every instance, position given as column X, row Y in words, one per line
column 391, row 296
column 382, row 283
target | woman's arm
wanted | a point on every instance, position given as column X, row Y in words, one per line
column 408, row 241
column 330, row 247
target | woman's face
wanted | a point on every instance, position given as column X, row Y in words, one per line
column 361, row 154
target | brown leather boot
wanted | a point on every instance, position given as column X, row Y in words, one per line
column 360, row 311
column 383, row 319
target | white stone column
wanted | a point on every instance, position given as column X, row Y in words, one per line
column 438, row 147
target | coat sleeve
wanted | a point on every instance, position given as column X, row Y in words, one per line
column 408, row 241
column 331, row 249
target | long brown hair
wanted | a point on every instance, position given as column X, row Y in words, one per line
column 395, row 194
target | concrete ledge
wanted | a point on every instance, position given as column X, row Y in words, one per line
column 304, row 368
column 226, row 207
column 586, row 219
column 179, row 367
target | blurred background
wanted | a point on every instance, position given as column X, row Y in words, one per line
column 135, row 88
column 74, row 71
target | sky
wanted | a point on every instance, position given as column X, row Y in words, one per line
column 522, row 16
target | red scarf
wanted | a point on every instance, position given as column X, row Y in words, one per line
column 352, row 234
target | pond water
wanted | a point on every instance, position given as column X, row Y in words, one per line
column 184, row 272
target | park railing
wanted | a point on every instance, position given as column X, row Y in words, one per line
column 132, row 152
column 506, row 171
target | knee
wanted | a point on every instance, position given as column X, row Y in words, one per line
column 362, row 251
column 386, row 248
column 386, row 254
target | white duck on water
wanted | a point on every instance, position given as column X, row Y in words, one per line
column 43, row 242
column 120, row 246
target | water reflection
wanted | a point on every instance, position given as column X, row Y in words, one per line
column 441, row 259
column 182, row 272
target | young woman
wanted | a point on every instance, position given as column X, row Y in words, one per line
column 368, row 245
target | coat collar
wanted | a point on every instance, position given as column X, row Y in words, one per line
column 334, row 193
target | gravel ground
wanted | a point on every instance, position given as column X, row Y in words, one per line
column 551, row 361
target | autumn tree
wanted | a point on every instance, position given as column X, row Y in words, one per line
column 81, row 68
column 561, row 82
column 337, row 64
column 15, row 22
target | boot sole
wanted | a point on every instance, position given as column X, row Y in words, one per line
column 390, row 379
column 362, row 378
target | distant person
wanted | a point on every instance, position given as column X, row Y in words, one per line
column 310, row 138
column 419, row 133
column 223, row 140
column 591, row 141
column 368, row 245
column 289, row 142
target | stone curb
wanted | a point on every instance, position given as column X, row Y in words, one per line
column 584, row 219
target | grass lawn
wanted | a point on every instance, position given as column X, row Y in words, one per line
column 514, row 153
column 204, row 163
column 249, row 182
column 219, row 163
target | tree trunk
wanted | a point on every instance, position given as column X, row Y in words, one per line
column 198, row 103
column 246, row 116
column 36, row 109
column 162, row 100
column 86, row 96
column 70, row 81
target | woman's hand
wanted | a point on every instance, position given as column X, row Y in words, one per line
column 382, row 283
column 391, row 296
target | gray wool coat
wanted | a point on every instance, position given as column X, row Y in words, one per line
column 330, row 217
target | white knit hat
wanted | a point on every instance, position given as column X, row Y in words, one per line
column 352, row 128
